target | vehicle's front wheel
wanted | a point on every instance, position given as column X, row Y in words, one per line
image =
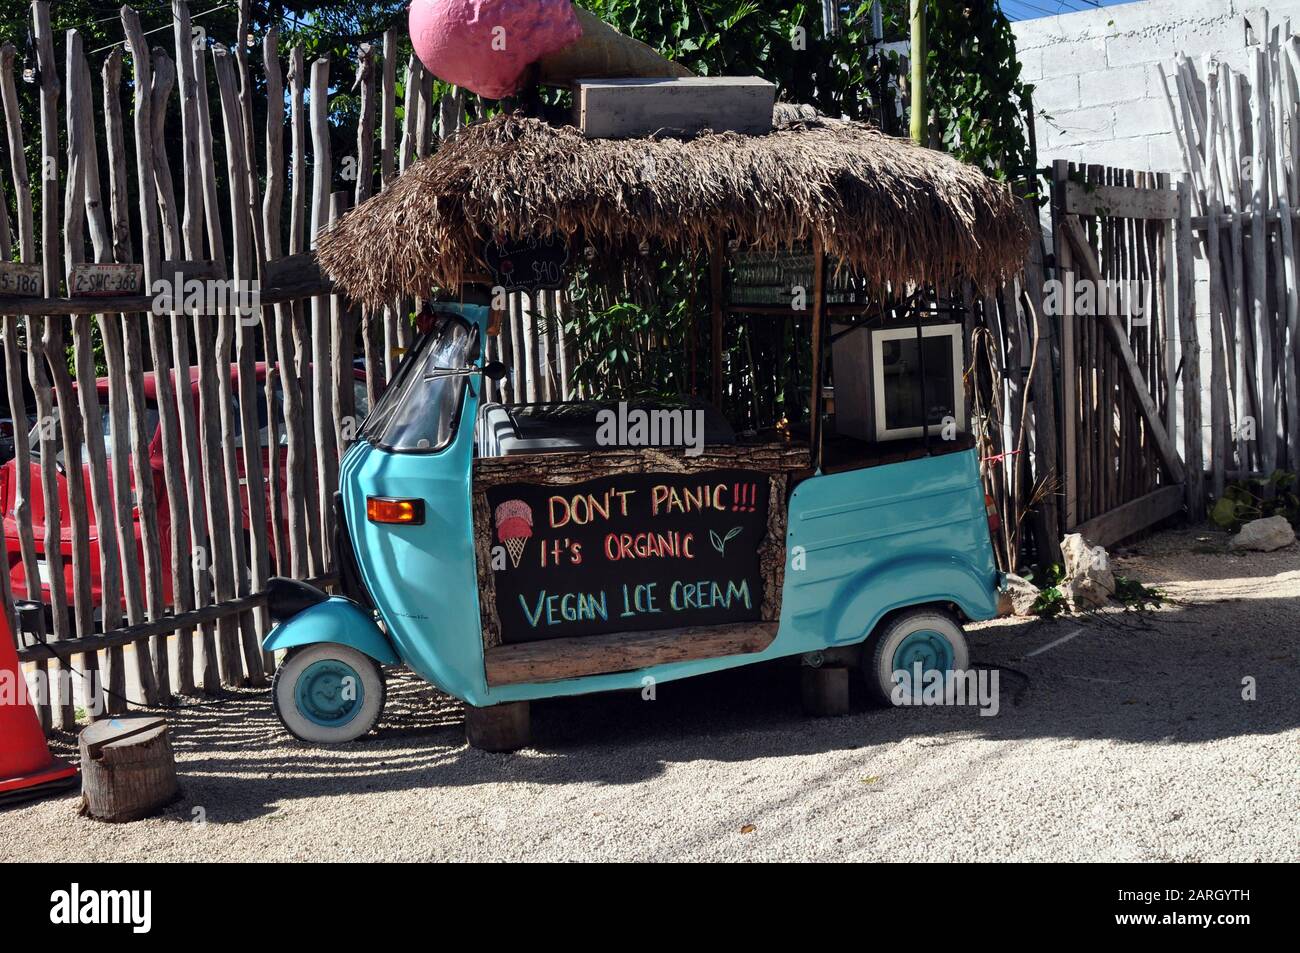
column 929, row 637
column 328, row 694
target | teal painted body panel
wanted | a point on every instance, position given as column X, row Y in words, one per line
column 859, row 544
column 885, row 537
column 336, row 620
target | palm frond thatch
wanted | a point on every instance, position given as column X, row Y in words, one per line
column 889, row 210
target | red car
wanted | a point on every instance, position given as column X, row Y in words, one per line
column 17, row 576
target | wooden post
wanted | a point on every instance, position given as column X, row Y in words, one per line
column 1069, row 366
column 112, row 329
column 322, row 404
column 1266, row 408
column 818, row 320
column 717, row 251
column 253, row 497
column 500, row 728
column 824, row 690
column 1191, row 354
column 192, row 224
column 40, row 343
column 302, row 345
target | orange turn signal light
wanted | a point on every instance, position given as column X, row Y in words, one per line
column 389, row 509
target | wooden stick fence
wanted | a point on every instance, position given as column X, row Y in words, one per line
column 167, row 528
column 1240, row 136
column 174, row 531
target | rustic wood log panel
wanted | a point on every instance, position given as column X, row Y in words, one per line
column 555, row 659
column 559, row 469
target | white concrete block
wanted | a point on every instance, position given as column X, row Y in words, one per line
column 1114, row 85
column 1190, row 38
column 1057, row 94
column 1120, row 153
column 1166, row 155
column 1031, row 65
column 1078, row 126
column 1142, row 117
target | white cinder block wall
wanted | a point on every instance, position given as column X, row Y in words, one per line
column 1097, row 78
column 1100, row 98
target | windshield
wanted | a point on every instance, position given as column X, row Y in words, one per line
column 419, row 413
column 54, row 431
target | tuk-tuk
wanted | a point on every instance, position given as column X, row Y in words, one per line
column 512, row 553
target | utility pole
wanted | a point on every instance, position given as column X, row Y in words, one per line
column 920, row 112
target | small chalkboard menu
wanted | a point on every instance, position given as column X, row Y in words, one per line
column 528, row 264
column 627, row 553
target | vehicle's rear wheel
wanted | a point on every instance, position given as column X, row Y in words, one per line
column 328, row 693
column 928, row 637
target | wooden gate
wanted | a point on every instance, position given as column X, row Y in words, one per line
column 1119, row 363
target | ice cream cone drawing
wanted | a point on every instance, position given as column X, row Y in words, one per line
column 514, row 521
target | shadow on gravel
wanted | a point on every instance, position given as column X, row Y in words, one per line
column 1173, row 676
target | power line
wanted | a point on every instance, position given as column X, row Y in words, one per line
column 168, row 26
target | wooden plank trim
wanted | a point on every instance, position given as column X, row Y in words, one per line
column 1120, row 201
column 555, row 659
column 162, row 626
column 1133, row 516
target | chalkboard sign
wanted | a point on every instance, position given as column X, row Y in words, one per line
column 628, row 553
column 529, row 264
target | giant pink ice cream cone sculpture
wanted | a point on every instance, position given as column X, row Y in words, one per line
column 487, row 46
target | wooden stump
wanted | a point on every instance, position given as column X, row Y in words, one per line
column 502, row 727
column 128, row 770
column 825, row 690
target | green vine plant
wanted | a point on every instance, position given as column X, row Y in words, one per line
column 1256, row 498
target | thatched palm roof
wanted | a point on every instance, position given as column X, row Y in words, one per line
column 888, row 209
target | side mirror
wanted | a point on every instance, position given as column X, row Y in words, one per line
column 495, row 371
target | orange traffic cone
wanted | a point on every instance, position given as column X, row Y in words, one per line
column 27, row 769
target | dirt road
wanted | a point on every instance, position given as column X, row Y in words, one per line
column 1127, row 739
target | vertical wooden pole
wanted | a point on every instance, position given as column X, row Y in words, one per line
column 1190, row 349
column 387, row 173
column 818, row 322
column 1069, row 366
column 1265, row 409
column 142, row 74
column 248, row 463
column 717, row 252
column 322, row 176
column 302, row 346
column 41, row 344
column 112, row 329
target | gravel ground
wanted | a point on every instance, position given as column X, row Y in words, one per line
column 1128, row 741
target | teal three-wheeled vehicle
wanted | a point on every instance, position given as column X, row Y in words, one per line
column 508, row 549
column 512, row 553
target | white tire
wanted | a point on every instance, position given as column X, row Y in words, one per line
column 328, row 694
column 928, row 636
